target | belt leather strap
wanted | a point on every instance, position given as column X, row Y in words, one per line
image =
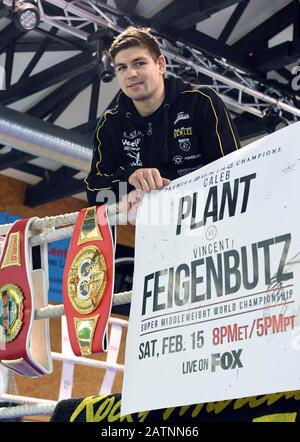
column 88, row 281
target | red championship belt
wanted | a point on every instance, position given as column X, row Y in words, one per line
column 88, row 281
column 24, row 344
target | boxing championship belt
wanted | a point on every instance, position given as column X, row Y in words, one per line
column 24, row 343
column 88, row 281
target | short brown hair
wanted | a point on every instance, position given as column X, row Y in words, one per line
column 135, row 36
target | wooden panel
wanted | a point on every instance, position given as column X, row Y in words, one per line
column 12, row 193
column 126, row 235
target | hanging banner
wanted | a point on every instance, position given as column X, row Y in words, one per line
column 215, row 303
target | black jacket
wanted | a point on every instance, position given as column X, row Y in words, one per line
column 190, row 129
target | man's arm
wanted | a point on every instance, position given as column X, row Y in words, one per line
column 108, row 179
column 216, row 131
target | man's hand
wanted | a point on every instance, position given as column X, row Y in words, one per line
column 129, row 204
column 147, row 179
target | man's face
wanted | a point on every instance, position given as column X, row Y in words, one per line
column 139, row 75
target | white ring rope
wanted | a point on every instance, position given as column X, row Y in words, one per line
column 80, row 360
column 25, row 399
column 122, row 298
column 31, row 406
column 115, row 217
column 26, row 410
column 46, row 222
column 52, row 311
column 51, row 235
column 55, row 221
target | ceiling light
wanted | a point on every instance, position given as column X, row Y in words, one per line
column 26, row 15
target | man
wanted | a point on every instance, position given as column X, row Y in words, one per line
column 160, row 129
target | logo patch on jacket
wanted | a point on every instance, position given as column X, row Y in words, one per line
column 178, row 159
column 136, row 158
column 181, row 116
column 193, row 157
column 132, row 135
column 184, row 144
column 182, row 132
column 131, row 145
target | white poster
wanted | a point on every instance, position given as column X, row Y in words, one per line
column 215, row 305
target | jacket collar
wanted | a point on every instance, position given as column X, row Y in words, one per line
column 173, row 88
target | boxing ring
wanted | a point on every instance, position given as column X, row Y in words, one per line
column 263, row 385
column 57, row 228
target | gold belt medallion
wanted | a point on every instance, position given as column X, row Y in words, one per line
column 11, row 311
column 87, row 279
